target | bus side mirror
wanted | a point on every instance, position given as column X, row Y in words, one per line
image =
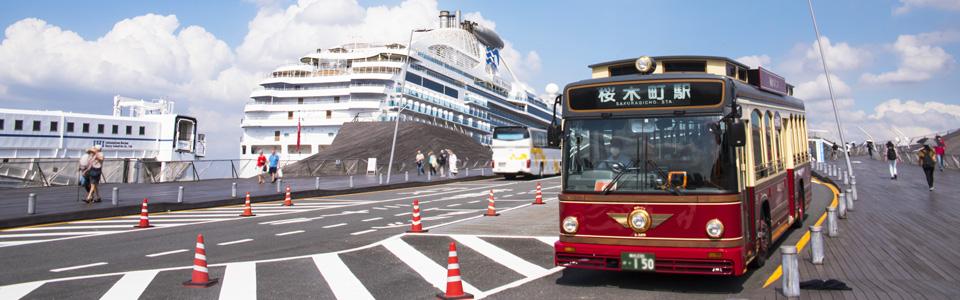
column 554, row 131
column 737, row 134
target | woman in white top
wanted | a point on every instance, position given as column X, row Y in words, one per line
column 452, row 162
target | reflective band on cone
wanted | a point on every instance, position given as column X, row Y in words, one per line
column 454, row 285
column 247, row 210
column 539, row 199
column 415, row 226
column 287, row 201
column 201, row 276
column 144, row 216
column 491, row 208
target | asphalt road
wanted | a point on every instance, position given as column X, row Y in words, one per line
column 347, row 247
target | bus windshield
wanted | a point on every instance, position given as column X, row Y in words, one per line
column 510, row 133
column 646, row 151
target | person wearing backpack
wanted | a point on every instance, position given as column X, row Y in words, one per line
column 927, row 158
column 892, row 160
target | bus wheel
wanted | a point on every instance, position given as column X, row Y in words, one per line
column 764, row 239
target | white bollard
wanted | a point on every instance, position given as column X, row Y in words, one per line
column 180, row 194
column 816, row 245
column 846, row 177
column 316, row 183
column 482, row 170
column 351, row 181
column 468, row 172
column 428, row 176
column 842, row 206
column 791, row 271
column 380, row 176
column 849, row 197
column 406, row 176
column 115, row 196
column 279, row 182
column 853, row 189
column 233, row 190
column 833, row 229
column 31, row 204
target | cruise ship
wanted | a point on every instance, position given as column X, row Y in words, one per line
column 454, row 78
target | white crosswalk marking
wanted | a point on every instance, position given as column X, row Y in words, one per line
column 515, row 263
column 342, row 282
column 130, row 286
column 429, row 270
column 56, row 233
column 239, row 281
column 17, row 291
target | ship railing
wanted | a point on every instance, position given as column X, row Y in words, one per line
column 42, row 172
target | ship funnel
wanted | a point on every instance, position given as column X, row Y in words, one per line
column 444, row 19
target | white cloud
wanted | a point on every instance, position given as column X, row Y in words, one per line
column 908, row 5
column 754, row 61
column 818, row 89
column 840, row 56
column 895, row 106
column 152, row 56
column 920, row 59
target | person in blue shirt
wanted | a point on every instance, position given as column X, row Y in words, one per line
column 274, row 163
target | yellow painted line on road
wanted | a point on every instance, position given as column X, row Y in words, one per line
column 806, row 236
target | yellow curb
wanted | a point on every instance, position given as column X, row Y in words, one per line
column 806, row 236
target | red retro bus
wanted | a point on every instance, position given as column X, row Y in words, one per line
column 679, row 164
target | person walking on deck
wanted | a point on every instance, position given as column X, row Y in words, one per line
column 419, row 159
column 892, row 159
column 274, row 164
column 452, row 161
column 442, row 163
column 928, row 163
column 432, row 162
column 84, row 166
column 940, row 149
column 94, row 173
column 261, row 167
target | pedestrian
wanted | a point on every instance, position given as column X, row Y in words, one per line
column 452, row 160
column 93, row 174
column 261, row 167
column 442, row 163
column 870, row 149
column 940, row 149
column 419, row 163
column 432, row 161
column 928, row 163
column 274, row 164
column 833, row 154
column 83, row 167
column 892, row 159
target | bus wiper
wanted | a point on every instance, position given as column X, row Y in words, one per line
column 673, row 189
column 606, row 189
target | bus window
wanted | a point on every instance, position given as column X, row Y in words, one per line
column 510, row 133
column 755, row 122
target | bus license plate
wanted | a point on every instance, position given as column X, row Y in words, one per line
column 637, row 261
column 502, row 164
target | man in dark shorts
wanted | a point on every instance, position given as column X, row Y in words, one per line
column 274, row 163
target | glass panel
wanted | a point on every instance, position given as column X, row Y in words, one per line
column 648, row 149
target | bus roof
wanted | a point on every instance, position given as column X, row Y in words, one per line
column 669, row 57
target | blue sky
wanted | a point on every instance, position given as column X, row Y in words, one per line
column 883, row 50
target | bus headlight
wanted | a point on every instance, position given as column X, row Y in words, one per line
column 570, row 224
column 714, row 228
column 639, row 220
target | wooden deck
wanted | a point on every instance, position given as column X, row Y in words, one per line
column 901, row 242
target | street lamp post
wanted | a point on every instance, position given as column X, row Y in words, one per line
column 403, row 82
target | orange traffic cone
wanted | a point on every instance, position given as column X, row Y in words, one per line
column 491, row 210
column 287, row 201
column 144, row 216
column 247, row 210
column 416, row 227
column 200, row 277
column 454, row 286
column 539, row 199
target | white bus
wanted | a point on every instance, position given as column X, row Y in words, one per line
column 518, row 150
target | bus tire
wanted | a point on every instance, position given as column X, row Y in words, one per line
column 801, row 207
column 765, row 242
column 541, row 169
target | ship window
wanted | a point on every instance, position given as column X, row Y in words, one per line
column 303, row 149
column 276, row 135
column 36, row 125
column 1, row 124
column 289, row 115
column 336, row 99
column 100, row 128
column 54, row 126
column 243, row 149
column 685, row 66
column 330, row 134
column 143, row 130
column 329, row 114
column 115, row 129
column 18, row 125
column 300, row 100
column 129, row 130
column 86, row 127
column 70, row 126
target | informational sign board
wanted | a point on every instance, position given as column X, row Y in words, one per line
column 651, row 94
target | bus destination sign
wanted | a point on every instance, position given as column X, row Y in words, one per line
column 646, row 95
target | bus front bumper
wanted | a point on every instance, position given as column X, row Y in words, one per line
column 699, row 261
